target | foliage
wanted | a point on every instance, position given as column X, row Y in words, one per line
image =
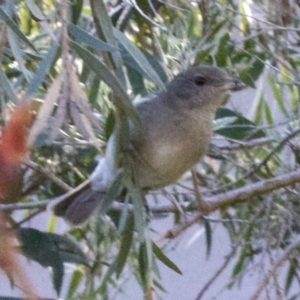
column 81, row 63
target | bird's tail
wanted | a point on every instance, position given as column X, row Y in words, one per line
column 78, row 204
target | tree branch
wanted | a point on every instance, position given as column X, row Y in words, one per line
column 244, row 193
column 214, row 202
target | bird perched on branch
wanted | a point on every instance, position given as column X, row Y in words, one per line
column 175, row 134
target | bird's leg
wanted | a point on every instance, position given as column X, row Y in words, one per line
column 204, row 207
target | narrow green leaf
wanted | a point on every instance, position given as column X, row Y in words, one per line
column 37, row 246
column 257, row 67
column 246, row 78
column 239, row 266
column 111, row 194
column 203, row 53
column 6, row 87
column 208, row 236
column 139, row 212
column 35, row 10
column 143, row 265
column 135, row 195
column 44, row 247
column 57, row 275
column 254, row 69
column 69, row 250
column 17, row 52
column 94, row 90
column 222, row 53
column 126, row 242
column 139, row 58
column 268, row 113
column 192, row 25
column 42, row 70
column 258, row 117
column 109, row 125
column 240, row 129
column 15, row 28
column 104, row 28
column 295, row 96
column 77, row 277
column 223, row 122
column 76, row 10
column 291, row 274
column 157, row 64
column 82, row 36
column 164, row 259
column 277, row 92
column 104, row 74
column 108, row 275
column 212, row 34
column 136, row 81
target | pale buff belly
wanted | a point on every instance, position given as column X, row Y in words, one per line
column 165, row 162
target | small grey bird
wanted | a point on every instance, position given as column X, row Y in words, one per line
column 176, row 132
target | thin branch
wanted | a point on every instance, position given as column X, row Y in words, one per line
column 239, row 195
column 266, row 63
column 134, row 4
column 263, row 162
column 273, row 271
column 243, row 194
column 246, row 144
column 277, row 148
column 27, row 205
column 273, row 26
column 202, row 205
column 26, row 219
column 214, row 202
column 34, row 166
column 173, row 233
column 216, row 275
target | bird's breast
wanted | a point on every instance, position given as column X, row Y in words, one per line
column 167, row 153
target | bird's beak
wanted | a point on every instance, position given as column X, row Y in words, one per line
column 235, row 84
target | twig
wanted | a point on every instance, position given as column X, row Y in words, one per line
column 34, row 166
column 277, row 148
column 247, row 144
column 216, row 275
column 22, row 206
column 171, row 234
column 264, row 161
column 202, row 205
column 273, row 26
column 134, row 4
column 26, row 219
column 262, row 61
column 273, row 271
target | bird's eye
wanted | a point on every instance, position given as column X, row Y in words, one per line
column 199, row 80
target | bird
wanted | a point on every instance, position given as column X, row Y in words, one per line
column 175, row 134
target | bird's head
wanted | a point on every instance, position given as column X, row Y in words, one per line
column 202, row 86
